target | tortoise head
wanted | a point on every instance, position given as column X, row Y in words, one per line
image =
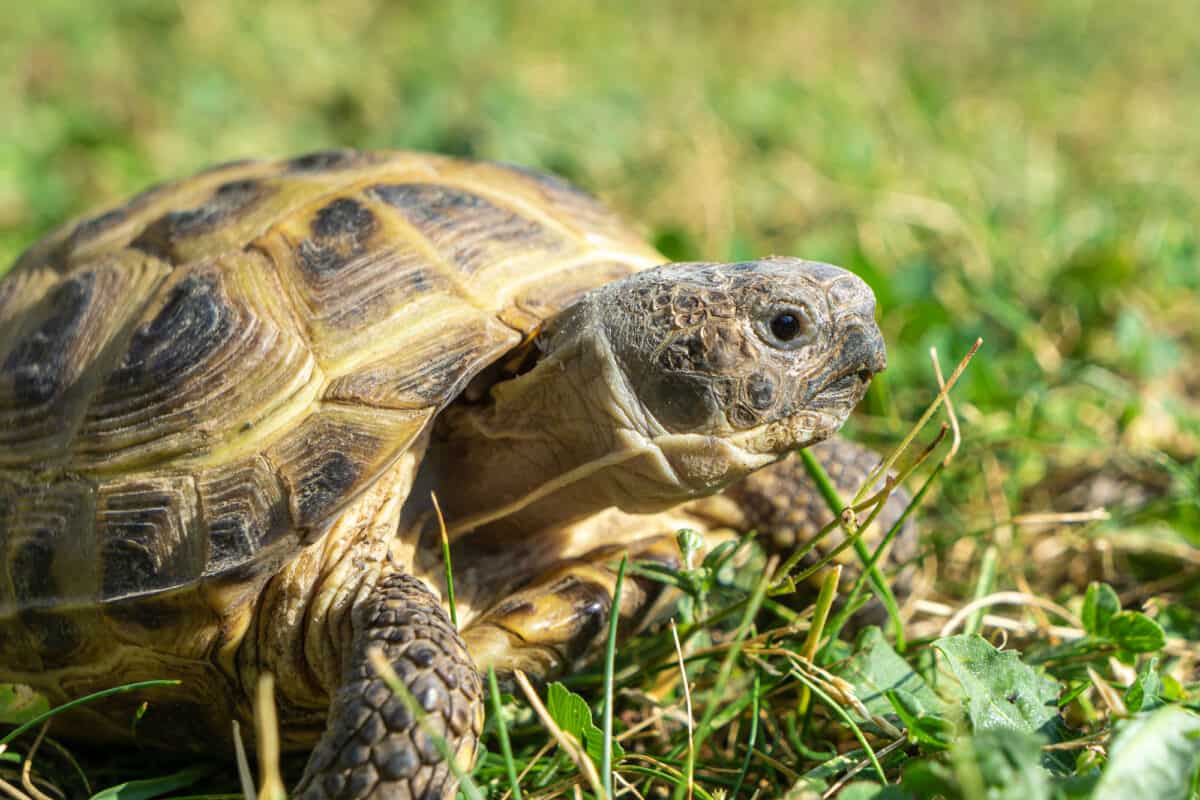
column 735, row 364
column 666, row 385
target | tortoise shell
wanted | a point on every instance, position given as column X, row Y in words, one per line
column 197, row 382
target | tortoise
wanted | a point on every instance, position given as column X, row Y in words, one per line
column 227, row 405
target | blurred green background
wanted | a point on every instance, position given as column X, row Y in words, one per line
column 1022, row 171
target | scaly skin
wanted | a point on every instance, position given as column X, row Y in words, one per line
column 373, row 745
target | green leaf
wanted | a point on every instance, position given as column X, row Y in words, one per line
column 717, row 557
column 1100, row 604
column 1137, row 633
column 869, row 790
column 876, row 669
column 1076, row 787
column 20, row 704
column 153, row 787
column 1152, row 755
column 927, row 729
column 571, row 713
column 1145, row 694
column 928, row 778
column 1006, row 762
column 568, row 710
column 998, row 691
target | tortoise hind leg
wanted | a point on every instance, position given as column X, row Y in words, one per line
column 562, row 616
column 372, row 746
column 783, row 503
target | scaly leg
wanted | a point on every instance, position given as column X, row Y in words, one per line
column 551, row 623
column 787, row 509
column 373, row 747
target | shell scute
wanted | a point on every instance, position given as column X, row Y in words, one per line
column 166, row 236
column 37, row 365
column 146, row 535
column 469, row 230
column 217, row 349
column 59, row 350
column 83, row 240
column 246, row 510
column 341, row 232
column 429, row 365
column 327, row 160
column 335, row 453
column 570, row 206
column 46, row 560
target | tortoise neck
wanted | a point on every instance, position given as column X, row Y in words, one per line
column 553, row 445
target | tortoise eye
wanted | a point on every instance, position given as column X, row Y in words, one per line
column 789, row 325
column 786, row 326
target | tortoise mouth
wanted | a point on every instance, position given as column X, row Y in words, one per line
column 796, row 431
column 847, row 389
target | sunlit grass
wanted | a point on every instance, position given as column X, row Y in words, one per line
column 1024, row 173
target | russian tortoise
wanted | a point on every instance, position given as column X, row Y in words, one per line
column 225, row 404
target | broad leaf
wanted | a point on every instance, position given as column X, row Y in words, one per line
column 571, row 713
column 1153, row 755
column 876, row 669
column 998, row 691
column 20, row 704
column 1100, row 604
column 1135, row 632
column 1006, row 761
column 1145, row 694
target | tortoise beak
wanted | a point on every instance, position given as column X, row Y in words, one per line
column 863, row 355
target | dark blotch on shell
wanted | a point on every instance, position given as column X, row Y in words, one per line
column 344, row 217
column 94, row 226
column 320, row 490
column 426, row 202
column 31, row 570
column 323, row 160
column 192, row 324
column 38, row 363
column 130, row 562
column 55, row 636
column 229, row 199
column 340, row 233
column 235, row 536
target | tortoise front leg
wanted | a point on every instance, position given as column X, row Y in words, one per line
column 561, row 616
column 372, row 746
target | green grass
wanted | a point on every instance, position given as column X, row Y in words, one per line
column 1023, row 172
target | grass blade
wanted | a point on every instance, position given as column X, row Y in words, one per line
column 446, row 560
column 610, row 655
column 40, row 718
column 510, row 766
column 753, row 738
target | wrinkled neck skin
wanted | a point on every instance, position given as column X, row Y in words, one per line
column 565, row 440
